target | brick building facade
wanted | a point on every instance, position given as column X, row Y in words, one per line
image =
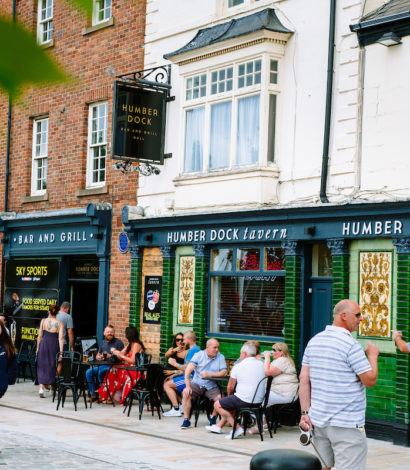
column 86, row 49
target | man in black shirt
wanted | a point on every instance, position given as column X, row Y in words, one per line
column 104, row 352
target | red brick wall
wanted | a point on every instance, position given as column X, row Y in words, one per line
column 85, row 58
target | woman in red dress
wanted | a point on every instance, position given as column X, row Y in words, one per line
column 118, row 381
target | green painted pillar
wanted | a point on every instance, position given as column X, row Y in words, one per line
column 402, row 424
column 201, row 292
column 340, row 269
column 293, row 306
column 167, row 301
column 135, row 286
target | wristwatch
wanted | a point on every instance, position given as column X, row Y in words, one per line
column 304, row 413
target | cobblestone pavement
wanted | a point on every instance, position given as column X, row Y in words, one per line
column 21, row 450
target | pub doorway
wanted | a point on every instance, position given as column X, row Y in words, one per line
column 83, row 294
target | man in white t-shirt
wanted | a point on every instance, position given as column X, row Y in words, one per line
column 246, row 376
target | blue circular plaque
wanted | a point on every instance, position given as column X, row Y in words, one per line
column 123, row 242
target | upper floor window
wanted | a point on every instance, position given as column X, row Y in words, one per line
column 45, row 21
column 39, row 157
column 234, row 3
column 224, row 110
column 101, row 11
column 97, row 144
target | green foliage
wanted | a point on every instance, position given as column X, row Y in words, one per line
column 83, row 5
column 22, row 60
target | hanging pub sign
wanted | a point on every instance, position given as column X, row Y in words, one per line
column 138, row 128
column 152, row 300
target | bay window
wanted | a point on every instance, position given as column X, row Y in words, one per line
column 247, row 291
column 224, row 108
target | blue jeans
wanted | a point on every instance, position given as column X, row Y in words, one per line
column 98, row 372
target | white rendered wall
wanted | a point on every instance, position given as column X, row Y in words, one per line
column 295, row 177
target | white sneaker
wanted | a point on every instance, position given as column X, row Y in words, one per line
column 214, row 428
column 173, row 412
column 180, row 408
column 238, row 433
column 41, row 392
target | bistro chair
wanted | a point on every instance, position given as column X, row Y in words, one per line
column 147, row 391
column 72, row 379
column 26, row 360
column 142, row 359
column 244, row 413
column 288, row 413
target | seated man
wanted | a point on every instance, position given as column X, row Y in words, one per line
column 246, row 376
column 207, row 364
column 176, row 383
column 104, row 352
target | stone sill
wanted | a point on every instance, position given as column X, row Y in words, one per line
column 91, row 191
column 97, row 27
column 27, row 199
column 47, row 45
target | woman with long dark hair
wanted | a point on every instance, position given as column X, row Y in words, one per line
column 8, row 361
column 50, row 341
column 118, row 382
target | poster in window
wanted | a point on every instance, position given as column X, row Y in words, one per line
column 152, row 300
column 31, row 287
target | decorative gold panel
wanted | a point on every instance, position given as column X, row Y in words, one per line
column 186, row 290
column 375, row 293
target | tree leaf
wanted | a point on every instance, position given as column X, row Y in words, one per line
column 22, row 60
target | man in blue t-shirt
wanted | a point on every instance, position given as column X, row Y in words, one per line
column 176, row 384
column 104, row 353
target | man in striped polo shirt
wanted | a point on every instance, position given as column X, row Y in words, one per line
column 333, row 380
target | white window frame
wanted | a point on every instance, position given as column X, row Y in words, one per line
column 264, row 89
column 44, row 23
column 39, row 160
column 104, row 6
column 100, row 145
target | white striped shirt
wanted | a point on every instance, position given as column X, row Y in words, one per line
column 338, row 397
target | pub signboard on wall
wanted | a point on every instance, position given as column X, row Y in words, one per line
column 138, row 127
column 31, row 287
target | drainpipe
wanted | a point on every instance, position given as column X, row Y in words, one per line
column 328, row 112
column 7, row 173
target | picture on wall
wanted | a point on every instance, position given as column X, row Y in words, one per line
column 375, row 293
column 186, row 290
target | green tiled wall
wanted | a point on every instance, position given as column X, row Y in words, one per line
column 381, row 403
column 135, row 292
column 201, row 298
column 293, row 281
column 340, row 278
column 168, row 275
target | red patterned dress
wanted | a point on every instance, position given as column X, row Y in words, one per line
column 118, row 383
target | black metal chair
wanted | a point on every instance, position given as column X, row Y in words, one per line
column 142, row 359
column 26, row 359
column 72, row 379
column 244, row 413
column 283, row 411
column 148, row 391
column 202, row 403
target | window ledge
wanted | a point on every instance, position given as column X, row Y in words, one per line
column 41, row 197
column 98, row 26
column 236, row 173
column 91, row 191
column 47, row 45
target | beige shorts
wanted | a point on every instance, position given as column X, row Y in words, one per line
column 341, row 448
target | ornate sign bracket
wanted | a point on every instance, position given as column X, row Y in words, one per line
column 156, row 79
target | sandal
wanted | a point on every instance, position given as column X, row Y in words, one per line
column 108, row 401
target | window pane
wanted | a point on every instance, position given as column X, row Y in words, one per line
column 220, row 135
column 221, row 259
column 274, row 259
column 273, row 77
column 250, row 305
column 234, row 3
column 321, row 261
column 247, row 131
column 271, row 128
column 194, row 136
column 248, row 259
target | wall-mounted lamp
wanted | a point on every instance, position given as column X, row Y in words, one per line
column 310, row 230
column 389, row 39
column 148, row 238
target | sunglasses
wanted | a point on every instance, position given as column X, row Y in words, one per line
column 358, row 315
column 275, row 350
column 179, row 339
